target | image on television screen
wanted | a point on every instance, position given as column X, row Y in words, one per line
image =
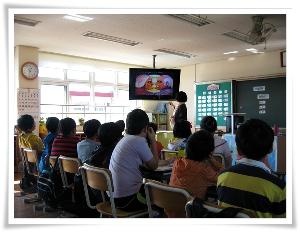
column 153, row 84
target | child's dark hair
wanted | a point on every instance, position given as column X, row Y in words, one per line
column 109, row 134
column 181, row 96
column 153, row 125
column 209, row 123
column 254, row 139
column 66, row 126
column 200, row 145
column 52, row 124
column 136, row 120
column 25, row 123
column 91, row 127
column 182, row 129
column 121, row 125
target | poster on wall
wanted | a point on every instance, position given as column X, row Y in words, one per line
column 28, row 102
column 214, row 99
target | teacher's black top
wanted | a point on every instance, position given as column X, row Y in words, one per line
column 181, row 113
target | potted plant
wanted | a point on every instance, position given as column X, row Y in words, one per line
column 80, row 126
column 42, row 128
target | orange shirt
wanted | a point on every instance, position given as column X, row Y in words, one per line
column 195, row 176
column 159, row 148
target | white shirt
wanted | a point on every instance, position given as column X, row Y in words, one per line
column 254, row 163
column 130, row 152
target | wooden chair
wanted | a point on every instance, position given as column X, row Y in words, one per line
column 216, row 209
column 68, row 165
column 170, row 198
column 31, row 161
column 101, row 179
column 168, row 154
column 220, row 158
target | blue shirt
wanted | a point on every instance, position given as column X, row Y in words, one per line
column 85, row 149
column 48, row 140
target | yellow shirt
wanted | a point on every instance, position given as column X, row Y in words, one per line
column 31, row 141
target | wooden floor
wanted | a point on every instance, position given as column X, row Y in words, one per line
column 33, row 210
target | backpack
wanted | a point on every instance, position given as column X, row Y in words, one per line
column 197, row 210
column 49, row 186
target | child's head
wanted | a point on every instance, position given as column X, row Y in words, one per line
column 91, row 127
column 109, row 133
column 200, row 146
column 26, row 123
column 254, row 139
column 136, row 121
column 153, row 125
column 52, row 124
column 182, row 129
column 67, row 126
column 181, row 96
column 121, row 125
column 209, row 123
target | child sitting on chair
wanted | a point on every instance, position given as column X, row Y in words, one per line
column 158, row 144
column 52, row 128
column 27, row 139
column 199, row 170
column 181, row 132
column 66, row 142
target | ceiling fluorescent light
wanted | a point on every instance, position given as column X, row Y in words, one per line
column 233, row 52
column 195, row 19
column 78, row 18
column 257, row 52
column 251, row 49
column 110, row 38
column 26, row 21
column 173, row 52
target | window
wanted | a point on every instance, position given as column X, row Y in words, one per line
column 52, row 94
column 101, row 94
column 77, row 75
column 54, row 73
column 123, row 78
column 105, row 76
column 79, row 94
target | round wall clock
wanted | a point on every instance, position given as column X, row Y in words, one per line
column 30, row 70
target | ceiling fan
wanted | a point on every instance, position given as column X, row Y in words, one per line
column 261, row 31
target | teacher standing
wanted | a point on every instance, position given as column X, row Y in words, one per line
column 180, row 111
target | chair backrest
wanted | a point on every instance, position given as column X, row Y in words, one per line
column 168, row 154
column 220, row 158
column 216, row 209
column 170, row 198
column 164, row 137
column 68, row 165
column 99, row 179
column 30, row 156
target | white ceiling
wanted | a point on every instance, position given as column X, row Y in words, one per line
column 58, row 35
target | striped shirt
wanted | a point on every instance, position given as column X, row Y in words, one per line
column 66, row 146
column 250, row 185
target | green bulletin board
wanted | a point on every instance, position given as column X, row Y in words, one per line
column 213, row 99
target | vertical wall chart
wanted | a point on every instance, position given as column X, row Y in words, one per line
column 214, row 99
column 29, row 103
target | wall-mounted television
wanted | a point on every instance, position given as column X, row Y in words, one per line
column 153, row 84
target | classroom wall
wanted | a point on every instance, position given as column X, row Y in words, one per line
column 258, row 65
column 47, row 59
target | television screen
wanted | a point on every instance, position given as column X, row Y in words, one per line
column 153, row 84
